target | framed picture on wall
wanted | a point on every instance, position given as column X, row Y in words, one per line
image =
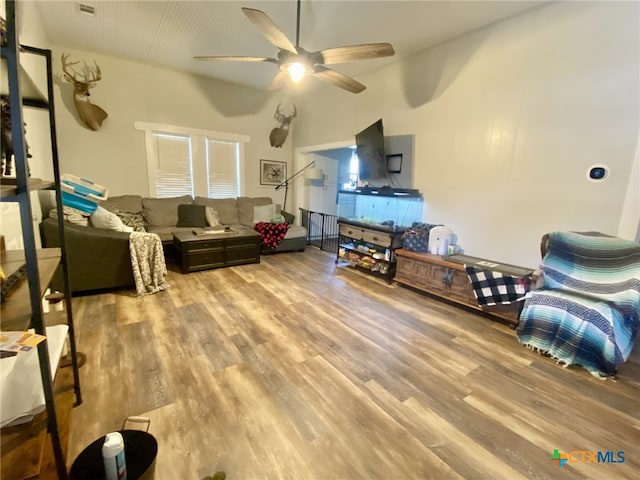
column 272, row 172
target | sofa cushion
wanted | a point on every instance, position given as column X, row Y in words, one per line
column 163, row 212
column 166, row 233
column 263, row 213
column 227, row 208
column 296, row 231
column 246, row 208
column 124, row 203
column 191, row 216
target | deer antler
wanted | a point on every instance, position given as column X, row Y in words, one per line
column 278, row 115
column 91, row 75
column 95, row 73
column 281, row 117
column 70, row 74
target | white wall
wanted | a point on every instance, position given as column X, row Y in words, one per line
column 630, row 218
column 507, row 120
column 321, row 195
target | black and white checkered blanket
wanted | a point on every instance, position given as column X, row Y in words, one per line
column 492, row 288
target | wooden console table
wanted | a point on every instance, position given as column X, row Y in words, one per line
column 446, row 278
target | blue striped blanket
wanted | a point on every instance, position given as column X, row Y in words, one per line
column 587, row 311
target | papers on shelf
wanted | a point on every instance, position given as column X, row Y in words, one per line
column 19, row 341
column 486, row 263
column 21, row 393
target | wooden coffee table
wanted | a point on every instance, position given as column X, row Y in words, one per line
column 202, row 252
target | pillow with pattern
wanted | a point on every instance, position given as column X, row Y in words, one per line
column 133, row 220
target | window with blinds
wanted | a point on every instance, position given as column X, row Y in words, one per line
column 183, row 161
column 223, row 172
column 173, row 174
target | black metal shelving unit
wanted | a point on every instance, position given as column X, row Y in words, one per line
column 18, row 313
column 370, row 249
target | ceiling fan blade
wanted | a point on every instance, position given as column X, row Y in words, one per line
column 269, row 29
column 338, row 79
column 236, row 59
column 279, row 81
column 350, row 53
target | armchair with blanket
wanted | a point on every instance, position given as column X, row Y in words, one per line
column 586, row 307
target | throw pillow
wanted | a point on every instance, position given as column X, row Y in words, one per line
column 190, row 215
column 212, row 217
column 245, row 208
column 103, row 218
column 263, row 213
column 133, row 220
column 278, row 218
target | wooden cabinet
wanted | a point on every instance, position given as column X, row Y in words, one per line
column 368, row 248
column 448, row 279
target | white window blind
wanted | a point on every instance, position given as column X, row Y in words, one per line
column 188, row 161
column 173, row 173
column 222, row 169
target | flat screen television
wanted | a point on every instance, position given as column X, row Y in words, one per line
column 372, row 161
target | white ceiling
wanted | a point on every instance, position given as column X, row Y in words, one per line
column 170, row 33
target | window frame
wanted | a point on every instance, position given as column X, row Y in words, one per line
column 198, row 139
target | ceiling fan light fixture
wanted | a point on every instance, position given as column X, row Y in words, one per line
column 297, row 71
column 295, row 62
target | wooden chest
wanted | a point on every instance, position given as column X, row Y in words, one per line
column 447, row 279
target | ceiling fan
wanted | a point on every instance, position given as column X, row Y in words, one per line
column 296, row 63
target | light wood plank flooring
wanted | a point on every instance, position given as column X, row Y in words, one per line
column 296, row 369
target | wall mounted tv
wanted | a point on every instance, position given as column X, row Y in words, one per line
column 372, row 161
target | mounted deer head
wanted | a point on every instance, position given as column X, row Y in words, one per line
column 279, row 134
column 90, row 114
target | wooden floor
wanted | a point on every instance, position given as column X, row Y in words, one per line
column 296, row 369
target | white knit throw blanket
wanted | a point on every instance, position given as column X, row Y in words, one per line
column 147, row 260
